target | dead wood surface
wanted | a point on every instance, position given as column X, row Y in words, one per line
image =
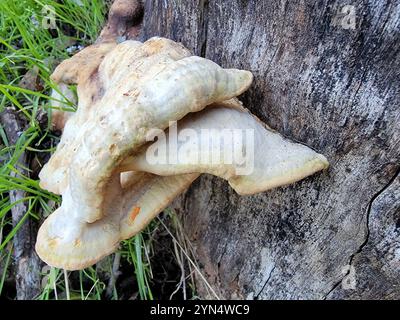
column 27, row 265
column 332, row 87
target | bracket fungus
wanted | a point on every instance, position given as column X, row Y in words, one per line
column 110, row 187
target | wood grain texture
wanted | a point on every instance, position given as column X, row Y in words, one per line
column 27, row 265
column 333, row 88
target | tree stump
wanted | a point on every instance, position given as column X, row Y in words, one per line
column 327, row 75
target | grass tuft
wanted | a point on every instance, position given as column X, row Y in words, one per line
column 29, row 51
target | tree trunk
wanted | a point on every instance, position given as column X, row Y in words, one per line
column 327, row 75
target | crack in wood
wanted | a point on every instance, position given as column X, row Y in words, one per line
column 265, row 283
column 203, row 7
column 361, row 247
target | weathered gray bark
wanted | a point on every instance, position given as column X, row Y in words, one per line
column 27, row 265
column 331, row 87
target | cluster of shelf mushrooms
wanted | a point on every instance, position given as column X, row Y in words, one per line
column 110, row 191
